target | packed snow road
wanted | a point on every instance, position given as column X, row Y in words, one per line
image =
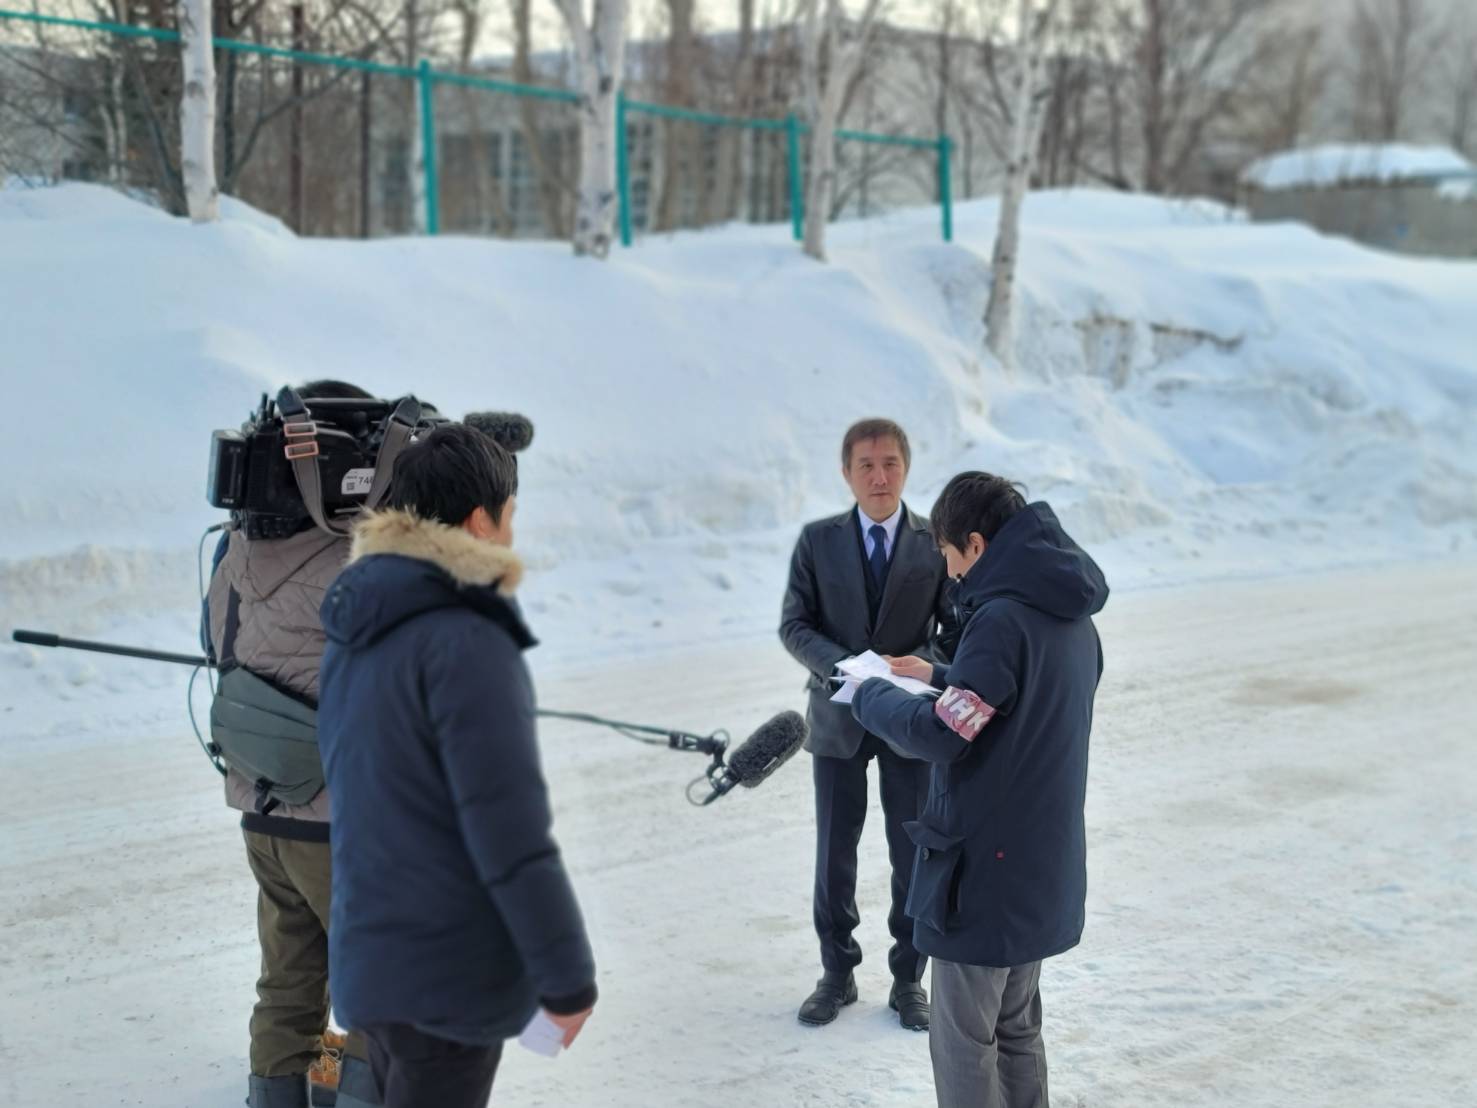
column 1282, row 858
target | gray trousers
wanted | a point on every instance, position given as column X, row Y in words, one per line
column 985, row 1038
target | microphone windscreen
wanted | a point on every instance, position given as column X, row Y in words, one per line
column 511, row 431
column 768, row 748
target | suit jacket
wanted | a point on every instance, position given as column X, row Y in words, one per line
column 827, row 617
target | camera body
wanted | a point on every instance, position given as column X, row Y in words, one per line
column 253, row 472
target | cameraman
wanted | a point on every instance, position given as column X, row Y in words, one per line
column 262, row 615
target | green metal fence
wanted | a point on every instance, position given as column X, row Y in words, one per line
column 431, row 80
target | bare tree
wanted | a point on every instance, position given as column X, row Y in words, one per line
column 112, row 111
column 1193, row 59
column 52, row 93
column 1069, row 73
column 996, row 57
column 415, row 160
column 1287, row 90
column 476, row 187
column 197, row 112
column 942, row 77
column 600, row 53
column 1035, row 27
column 1460, row 76
column 678, row 149
column 553, row 189
column 1115, row 77
column 118, row 102
column 830, row 59
column 742, row 93
column 1392, row 45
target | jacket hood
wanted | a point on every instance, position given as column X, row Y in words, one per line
column 1033, row 561
column 401, row 566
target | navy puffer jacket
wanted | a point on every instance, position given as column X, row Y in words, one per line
column 1000, row 870
column 451, row 907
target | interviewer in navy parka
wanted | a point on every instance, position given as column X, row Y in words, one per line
column 1000, row 869
column 453, row 920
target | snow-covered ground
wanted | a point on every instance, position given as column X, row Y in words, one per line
column 1268, row 437
column 1282, row 906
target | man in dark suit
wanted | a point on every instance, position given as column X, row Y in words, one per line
column 871, row 578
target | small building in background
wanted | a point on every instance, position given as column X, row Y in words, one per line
column 1410, row 199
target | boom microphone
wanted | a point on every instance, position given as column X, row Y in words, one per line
column 509, row 430
column 753, row 760
column 758, row 756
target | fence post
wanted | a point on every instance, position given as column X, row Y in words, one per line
column 622, row 167
column 797, row 192
column 946, row 191
column 428, row 148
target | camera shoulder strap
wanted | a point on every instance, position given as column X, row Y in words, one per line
column 302, row 452
column 398, row 433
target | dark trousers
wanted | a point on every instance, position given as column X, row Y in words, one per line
column 840, row 811
column 293, row 880
column 416, row 1070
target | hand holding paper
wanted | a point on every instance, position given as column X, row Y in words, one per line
column 912, row 666
column 857, row 669
column 548, row 1034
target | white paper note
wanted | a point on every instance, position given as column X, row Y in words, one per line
column 542, row 1035
column 871, row 664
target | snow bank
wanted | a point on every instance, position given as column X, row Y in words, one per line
column 1197, row 395
column 1337, row 163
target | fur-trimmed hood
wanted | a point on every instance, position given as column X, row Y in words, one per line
column 402, row 567
column 471, row 562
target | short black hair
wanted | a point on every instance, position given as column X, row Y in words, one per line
column 452, row 471
column 326, row 388
column 865, row 429
column 974, row 501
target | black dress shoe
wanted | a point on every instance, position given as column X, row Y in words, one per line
column 832, row 992
column 910, row 1003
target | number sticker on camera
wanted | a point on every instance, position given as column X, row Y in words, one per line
column 357, row 482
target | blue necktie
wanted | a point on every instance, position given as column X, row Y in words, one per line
column 879, row 553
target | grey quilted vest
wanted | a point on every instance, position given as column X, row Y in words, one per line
column 264, row 599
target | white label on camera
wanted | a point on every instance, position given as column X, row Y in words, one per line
column 357, row 482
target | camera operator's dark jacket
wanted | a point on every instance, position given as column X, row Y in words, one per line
column 451, row 908
column 1000, row 872
column 262, row 614
column 829, row 608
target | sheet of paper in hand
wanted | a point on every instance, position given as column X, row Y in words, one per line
column 871, row 664
column 862, row 666
column 542, row 1035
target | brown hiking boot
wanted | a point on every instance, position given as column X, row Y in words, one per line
column 324, row 1073
column 335, row 1041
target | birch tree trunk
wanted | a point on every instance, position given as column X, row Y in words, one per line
column 115, row 124
column 1024, row 132
column 415, row 160
column 197, row 112
column 823, row 100
column 600, row 56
